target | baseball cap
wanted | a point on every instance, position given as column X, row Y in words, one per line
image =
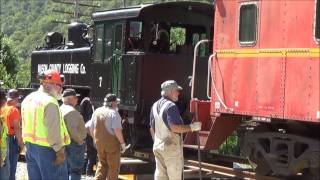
column 69, row 92
column 12, row 94
column 169, row 85
column 111, row 98
column 51, row 76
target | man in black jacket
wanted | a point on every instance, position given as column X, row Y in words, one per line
column 86, row 110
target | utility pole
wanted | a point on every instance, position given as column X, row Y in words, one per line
column 76, row 10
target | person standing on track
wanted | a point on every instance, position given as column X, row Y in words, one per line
column 166, row 125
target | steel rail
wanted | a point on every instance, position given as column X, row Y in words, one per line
column 228, row 171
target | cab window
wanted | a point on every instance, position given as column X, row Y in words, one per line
column 108, row 42
column 118, row 34
column 99, row 43
column 247, row 24
column 135, row 29
column 203, row 48
column 177, row 37
column 113, row 40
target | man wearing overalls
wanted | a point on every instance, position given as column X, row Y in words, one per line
column 108, row 137
column 166, row 125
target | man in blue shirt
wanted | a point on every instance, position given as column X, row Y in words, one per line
column 166, row 125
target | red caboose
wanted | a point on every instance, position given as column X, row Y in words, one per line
column 265, row 75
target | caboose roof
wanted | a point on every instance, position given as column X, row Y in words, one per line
column 136, row 11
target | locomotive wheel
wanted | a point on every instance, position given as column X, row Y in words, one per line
column 259, row 162
column 255, row 157
column 263, row 167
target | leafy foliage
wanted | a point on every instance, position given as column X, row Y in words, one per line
column 9, row 61
column 230, row 146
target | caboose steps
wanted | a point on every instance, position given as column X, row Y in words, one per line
column 192, row 146
column 214, row 129
column 203, row 136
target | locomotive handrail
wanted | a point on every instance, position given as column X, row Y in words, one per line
column 195, row 52
column 209, row 74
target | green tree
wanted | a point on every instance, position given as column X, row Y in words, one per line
column 8, row 63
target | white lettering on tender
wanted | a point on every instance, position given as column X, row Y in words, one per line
column 82, row 69
column 42, row 68
column 66, row 68
column 70, row 69
column 56, row 67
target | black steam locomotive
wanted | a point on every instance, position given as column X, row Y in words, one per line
column 130, row 52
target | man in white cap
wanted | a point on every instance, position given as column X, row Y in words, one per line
column 166, row 125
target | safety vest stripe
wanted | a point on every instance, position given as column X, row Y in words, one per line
column 34, row 127
column 34, row 138
column 265, row 53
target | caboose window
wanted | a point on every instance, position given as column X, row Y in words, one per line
column 247, row 24
column 99, row 43
column 317, row 30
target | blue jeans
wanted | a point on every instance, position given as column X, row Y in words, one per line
column 75, row 160
column 13, row 156
column 40, row 164
column 91, row 155
column 5, row 170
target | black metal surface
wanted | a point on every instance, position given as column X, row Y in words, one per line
column 136, row 11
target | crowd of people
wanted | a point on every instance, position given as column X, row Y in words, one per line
column 56, row 137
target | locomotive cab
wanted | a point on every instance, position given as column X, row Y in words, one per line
column 138, row 48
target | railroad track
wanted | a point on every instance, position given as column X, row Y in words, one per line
column 136, row 169
column 224, row 172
